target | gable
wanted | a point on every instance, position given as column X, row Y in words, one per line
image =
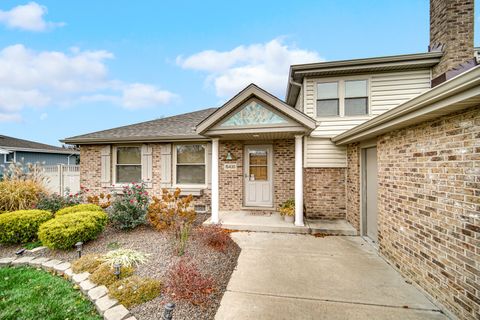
column 253, row 114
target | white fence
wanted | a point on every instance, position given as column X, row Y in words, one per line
column 62, row 177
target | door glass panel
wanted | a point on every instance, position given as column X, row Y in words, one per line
column 258, row 165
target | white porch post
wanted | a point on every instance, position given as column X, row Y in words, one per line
column 215, row 198
column 299, row 180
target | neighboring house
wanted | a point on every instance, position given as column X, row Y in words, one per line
column 391, row 144
column 16, row 150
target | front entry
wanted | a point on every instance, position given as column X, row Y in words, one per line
column 370, row 194
column 258, row 176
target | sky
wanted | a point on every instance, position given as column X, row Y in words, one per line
column 74, row 67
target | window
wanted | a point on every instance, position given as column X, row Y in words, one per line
column 9, row 157
column 190, row 164
column 128, row 165
column 356, row 98
column 258, row 162
column 327, row 99
column 342, row 98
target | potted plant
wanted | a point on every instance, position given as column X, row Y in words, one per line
column 287, row 210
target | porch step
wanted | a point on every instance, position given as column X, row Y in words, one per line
column 243, row 221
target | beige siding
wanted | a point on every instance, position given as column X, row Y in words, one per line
column 299, row 103
column 323, row 153
column 392, row 89
column 387, row 90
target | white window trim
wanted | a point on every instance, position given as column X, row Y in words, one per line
column 14, row 157
column 114, row 164
column 341, row 97
column 174, row 168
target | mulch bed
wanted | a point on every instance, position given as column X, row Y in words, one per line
column 218, row 265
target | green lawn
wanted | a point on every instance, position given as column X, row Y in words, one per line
column 27, row 293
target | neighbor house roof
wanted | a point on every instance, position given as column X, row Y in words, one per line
column 356, row 66
column 458, row 93
column 15, row 144
column 179, row 127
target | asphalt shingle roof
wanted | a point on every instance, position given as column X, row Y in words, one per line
column 182, row 125
column 15, row 143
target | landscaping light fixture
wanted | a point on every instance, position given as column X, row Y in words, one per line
column 79, row 246
column 20, row 252
column 116, row 270
column 168, row 311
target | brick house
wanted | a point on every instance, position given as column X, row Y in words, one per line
column 391, row 144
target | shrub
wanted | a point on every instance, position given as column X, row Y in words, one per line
column 214, row 237
column 21, row 171
column 185, row 282
column 55, row 202
column 78, row 208
column 19, row 194
column 170, row 210
column 103, row 200
column 105, row 276
column 64, row 231
column 288, row 208
column 128, row 210
column 88, row 263
column 125, row 257
column 135, row 290
column 22, row 226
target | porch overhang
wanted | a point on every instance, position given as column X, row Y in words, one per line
column 283, row 122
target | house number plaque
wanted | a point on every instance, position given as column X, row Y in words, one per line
column 230, row 166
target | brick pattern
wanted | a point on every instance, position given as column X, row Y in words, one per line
column 324, row 193
column 429, row 207
column 451, row 24
column 90, row 168
column 353, row 186
column 231, row 181
column 284, row 171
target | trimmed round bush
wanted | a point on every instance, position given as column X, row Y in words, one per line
column 22, row 226
column 78, row 208
column 64, row 231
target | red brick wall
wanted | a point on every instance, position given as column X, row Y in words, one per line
column 90, row 168
column 324, row 193
column 429, row 207
column 353, row 186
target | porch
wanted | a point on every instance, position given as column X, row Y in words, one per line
column 273, row 222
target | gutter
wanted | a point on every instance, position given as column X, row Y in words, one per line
column 134, row 139
column 467, row 83
column 65, row 151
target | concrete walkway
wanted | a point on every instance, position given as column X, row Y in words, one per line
column 293, row 276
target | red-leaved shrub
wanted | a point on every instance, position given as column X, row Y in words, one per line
column 215, row 237
column 185, row 282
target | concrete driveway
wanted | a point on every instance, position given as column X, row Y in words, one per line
column 290, row 276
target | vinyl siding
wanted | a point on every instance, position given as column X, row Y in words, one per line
column 299, row 103
column 386, row 91
column 324, row 153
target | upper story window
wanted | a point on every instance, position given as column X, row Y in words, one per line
column 342, row 98
column 128, row 165
column 190, row 164
column 356, row 97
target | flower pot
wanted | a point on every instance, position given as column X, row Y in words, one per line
column 289, row 218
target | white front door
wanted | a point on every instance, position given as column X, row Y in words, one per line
column 258, row 176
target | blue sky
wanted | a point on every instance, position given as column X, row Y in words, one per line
column 73, row 67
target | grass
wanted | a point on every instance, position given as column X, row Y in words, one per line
column 32, row 245
column 27, row 293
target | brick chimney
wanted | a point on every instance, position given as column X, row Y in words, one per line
column 451, row 31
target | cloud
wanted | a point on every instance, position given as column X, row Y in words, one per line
column 44, row 116
column 265, row 64
column 138, row 95
column 10, row 117
column 29, row 17
column 32, row 79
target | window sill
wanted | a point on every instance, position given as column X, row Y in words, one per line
column 187, row 190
